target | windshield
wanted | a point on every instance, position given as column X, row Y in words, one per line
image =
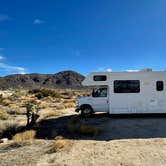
column 99, row 92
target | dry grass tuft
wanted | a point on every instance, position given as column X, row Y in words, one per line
column 27, row 135
column 58, row 137
column 3, row 115
column 60, row 144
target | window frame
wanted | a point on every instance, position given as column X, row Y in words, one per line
column 162, row 84
column 128, row 90
column 97, row 76
column 100, row 92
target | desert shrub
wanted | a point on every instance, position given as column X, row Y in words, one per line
column 34, row 91
column 60, row 107
column 74, row 126
column 41, row 93
column 26, row 135
column 59, row 145
column 3, row 115
column 16, row 111
column 4, row 101
column 18, row 93
column 1, row 98
column 69, row 104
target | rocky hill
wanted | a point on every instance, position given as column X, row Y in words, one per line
column 64, row 79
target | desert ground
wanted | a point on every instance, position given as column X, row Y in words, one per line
column 62, row 137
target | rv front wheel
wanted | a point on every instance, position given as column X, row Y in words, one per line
column 86, row 112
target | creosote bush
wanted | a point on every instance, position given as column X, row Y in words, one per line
column 41, row 93
column 59, row 144
column 4, row 101
column 3, row 115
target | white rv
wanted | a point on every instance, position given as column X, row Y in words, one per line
column 124, row 93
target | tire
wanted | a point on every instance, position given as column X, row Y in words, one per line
column 86, row 112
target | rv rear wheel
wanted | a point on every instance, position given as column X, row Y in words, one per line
column 86, row 112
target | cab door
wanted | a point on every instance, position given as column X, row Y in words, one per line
column 100, row 102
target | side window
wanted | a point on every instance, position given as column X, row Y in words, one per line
column 159, row 85
column 126, row 86
column 101, row 92
column 100, row 78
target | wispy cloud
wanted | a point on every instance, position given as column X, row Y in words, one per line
column 38, row 21
column 12, row 69
column 132, row 70
column 109, row 70
column 1, row 57
column 9, row 68
column 4, row 17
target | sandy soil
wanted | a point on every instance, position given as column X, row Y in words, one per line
column 124, row 141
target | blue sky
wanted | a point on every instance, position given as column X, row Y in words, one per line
column 83, row 35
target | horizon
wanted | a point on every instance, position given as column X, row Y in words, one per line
column 125, row 71
column 82, row 36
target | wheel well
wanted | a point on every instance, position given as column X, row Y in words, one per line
column 86, row 106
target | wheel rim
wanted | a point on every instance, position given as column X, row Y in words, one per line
column 87, row 111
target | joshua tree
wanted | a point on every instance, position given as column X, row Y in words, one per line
column 31, row 113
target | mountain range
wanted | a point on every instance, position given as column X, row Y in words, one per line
column 65, row 79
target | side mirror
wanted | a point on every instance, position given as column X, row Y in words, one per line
column 94, row 93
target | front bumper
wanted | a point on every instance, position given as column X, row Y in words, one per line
column 77, row 109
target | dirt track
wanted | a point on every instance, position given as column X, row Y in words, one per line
column 124, row 141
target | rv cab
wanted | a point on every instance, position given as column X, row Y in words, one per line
column 97, row 101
